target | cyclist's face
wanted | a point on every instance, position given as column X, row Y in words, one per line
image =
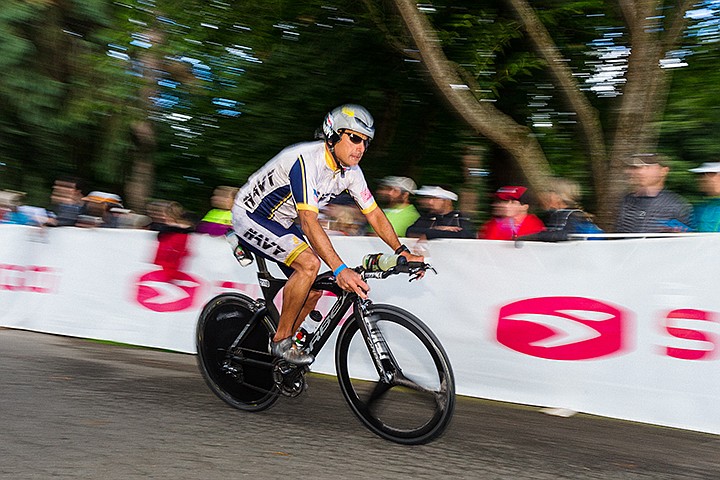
column 348, row 152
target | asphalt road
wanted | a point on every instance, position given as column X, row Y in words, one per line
column 71, row 408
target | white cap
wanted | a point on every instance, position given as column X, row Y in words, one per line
column 707, row 167
column 437, row 192
column 403, row 183
column 103, row 197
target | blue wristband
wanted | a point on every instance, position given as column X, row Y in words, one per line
column 339, row 269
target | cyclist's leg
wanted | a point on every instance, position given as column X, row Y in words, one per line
column 287, row 247
column 296, row 293
column 310, row 304
column 268, row 238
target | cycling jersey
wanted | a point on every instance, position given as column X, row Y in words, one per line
column 301, row 177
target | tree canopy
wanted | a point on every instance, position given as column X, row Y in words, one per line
column 160, row 99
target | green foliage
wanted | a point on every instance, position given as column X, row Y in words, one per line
column 299, row 61
column 41, row 43
column 691, row 119
column 485, row 40
column 226, row 85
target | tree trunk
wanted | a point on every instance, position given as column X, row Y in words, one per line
column 645, row 93
column 470, row 191
column 483, row 117
column 641, row 104
column 588, row 119
column 139, row 186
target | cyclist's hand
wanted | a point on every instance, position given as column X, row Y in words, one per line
column 351, row 281
column 415, row 258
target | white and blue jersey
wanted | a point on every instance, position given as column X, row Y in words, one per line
column 304, row 176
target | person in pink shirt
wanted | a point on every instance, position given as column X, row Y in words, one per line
column 510, row 216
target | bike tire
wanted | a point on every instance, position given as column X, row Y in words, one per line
column 242, row 385
column 396, row 412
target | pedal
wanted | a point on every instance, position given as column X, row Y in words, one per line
column 289, row 378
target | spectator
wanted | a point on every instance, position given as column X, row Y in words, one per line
column 439, row 218
column 218, row 220
column 511, row 217
column 563, row 214
column 7, row 200
column 133, row 220
column 66, row 199
column 394, row 194
column 97, row 210
column 156, row 210
column 650, row 208
column 707, row 214
column 118, row 217
column 173, row 236
column 38, row 215
column 10, row 213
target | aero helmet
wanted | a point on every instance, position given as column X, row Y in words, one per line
column 348, row 117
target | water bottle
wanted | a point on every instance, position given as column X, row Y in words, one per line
column 240, row 255
column 378, row 262
column 307, row 329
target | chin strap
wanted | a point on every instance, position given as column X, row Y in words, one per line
column 339, row 165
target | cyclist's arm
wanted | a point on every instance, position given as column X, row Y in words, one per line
column 382, row 226
column 385, row 230
column 347, row 278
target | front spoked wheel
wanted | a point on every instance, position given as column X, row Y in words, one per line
column 233, row 356
column 416, row 403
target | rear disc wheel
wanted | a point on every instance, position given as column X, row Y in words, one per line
column 241, row 375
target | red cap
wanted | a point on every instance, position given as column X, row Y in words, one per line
column 510, row 193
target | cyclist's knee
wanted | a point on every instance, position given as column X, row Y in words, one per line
column 307, row 263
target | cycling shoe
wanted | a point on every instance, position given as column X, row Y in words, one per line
column 286, row 350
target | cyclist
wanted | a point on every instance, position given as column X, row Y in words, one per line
column 294, row 185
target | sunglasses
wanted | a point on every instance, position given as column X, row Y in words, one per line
column 356, row 139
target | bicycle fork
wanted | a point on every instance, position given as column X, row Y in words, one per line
column 375, row 342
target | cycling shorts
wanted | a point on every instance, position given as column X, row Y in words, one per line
column 268, row 238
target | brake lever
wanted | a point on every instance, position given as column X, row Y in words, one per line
column 414, row 275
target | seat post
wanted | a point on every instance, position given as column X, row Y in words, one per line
column 270, row 286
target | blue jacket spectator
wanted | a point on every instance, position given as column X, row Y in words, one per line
column 707, row 214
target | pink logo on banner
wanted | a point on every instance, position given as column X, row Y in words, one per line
column 708, row 341
column 28, row 278
column 562, row 328
column 159, row 293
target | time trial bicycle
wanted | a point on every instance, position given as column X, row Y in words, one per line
column 392, row 370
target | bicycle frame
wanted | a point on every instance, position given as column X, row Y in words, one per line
column 374, row 340
column 234, row 337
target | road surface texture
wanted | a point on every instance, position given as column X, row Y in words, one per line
column 72, row 408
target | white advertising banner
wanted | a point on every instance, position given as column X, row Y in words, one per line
column 622, row 328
